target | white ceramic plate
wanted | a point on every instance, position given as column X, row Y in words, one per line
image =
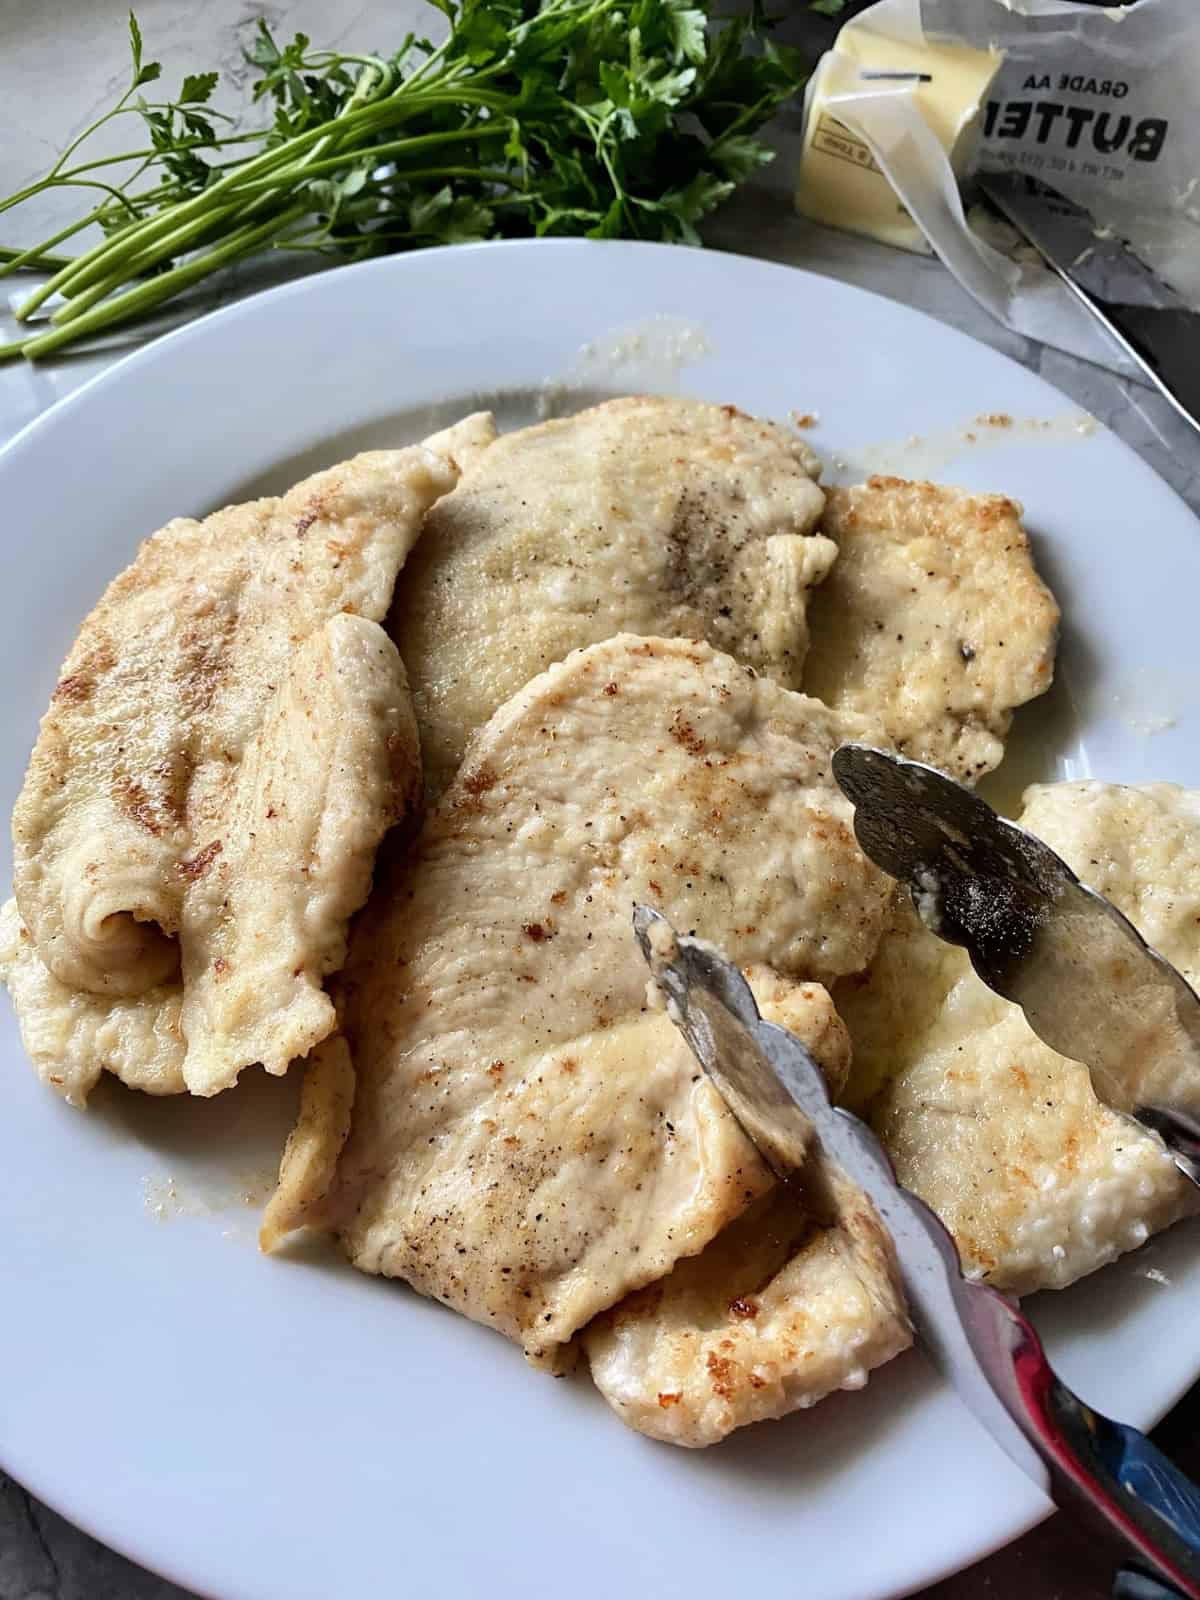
column 260, row 1429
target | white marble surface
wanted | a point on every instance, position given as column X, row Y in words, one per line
column 60, row 64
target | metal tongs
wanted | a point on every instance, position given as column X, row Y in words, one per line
column 977, row 1337
column 1089, row 984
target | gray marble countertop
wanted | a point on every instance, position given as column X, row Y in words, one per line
column 63, row 63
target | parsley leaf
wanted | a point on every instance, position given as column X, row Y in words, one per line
column 199, row 86
column 151, row 70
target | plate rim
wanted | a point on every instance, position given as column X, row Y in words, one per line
column 308, row 283
column 126, row 367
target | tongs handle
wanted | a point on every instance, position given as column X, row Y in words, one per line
column 977, row 1337
column 1115, row 1471
column 1133, row 1584
column 1159, row 1500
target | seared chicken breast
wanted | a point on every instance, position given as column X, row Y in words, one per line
column 618, row 650
column 655, row 515
column 529, row 1142
column 934, row 622
column 72, row 1036
column 265, row 904
column 798, row 1296
column 230, row 738
column 308, row 1167
column 1039, row 1182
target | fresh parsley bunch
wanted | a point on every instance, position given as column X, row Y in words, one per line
column 606, row 118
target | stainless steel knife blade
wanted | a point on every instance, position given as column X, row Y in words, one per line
column 1145, row 315
column 1089, row 985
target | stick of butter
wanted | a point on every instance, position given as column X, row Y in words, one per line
column 882, row 56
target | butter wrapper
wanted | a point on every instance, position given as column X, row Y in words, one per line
column 1099, row 101
column 886, row 86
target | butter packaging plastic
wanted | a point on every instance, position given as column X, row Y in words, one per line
column 1098, row 100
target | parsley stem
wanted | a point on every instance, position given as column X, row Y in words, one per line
column 387, row 152
column 90, row 283
column 117, row 195
column 36, row 260
column 132, row 260
column 86, row 291
column 167, row 223
column 281, row 165
column 90, row 287
column 26, row 193
column 380, row 65
column 147, row 295
column 40, row 253
column 92, row 128
column 38, row 257
column 186, row 211
column 147, row 155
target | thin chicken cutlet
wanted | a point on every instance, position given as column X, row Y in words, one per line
column 933, row 621
column 230, row 738
column 530, row 1141
column 653, row 515
column 1038, row 1180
